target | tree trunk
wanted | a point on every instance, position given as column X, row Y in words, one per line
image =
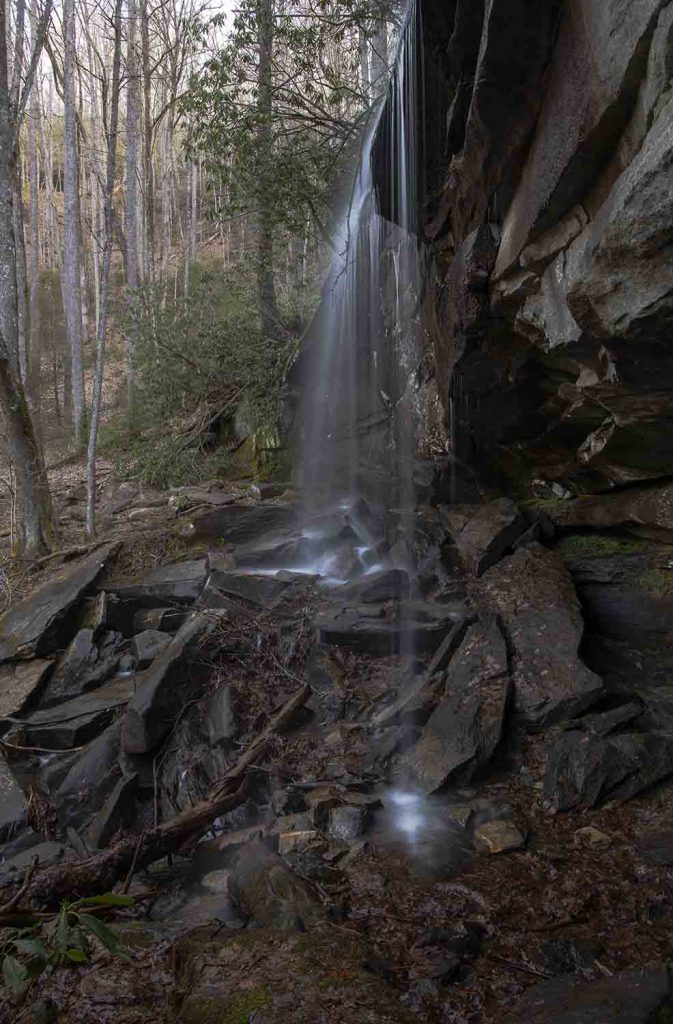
column 71, row 269
column 131, row 190
column 108, row 199
column 35, row 528
column 34, row 260
column 265, row 222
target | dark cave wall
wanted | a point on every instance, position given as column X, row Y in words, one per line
column 549, row 220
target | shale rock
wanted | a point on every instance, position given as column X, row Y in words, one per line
column 629, row 997
column 272, row 894
column 147, row 645
column 90, row 659
column 465, row 728
column 483, row 533
column 90, row 779
column 533, row 593
column 77, row 721
column 239, row 524
column 45, row 621
column 646, row 511
column 177, row 675
column 175, row 584
column 21, row 682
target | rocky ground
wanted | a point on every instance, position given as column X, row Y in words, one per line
column 317, row 819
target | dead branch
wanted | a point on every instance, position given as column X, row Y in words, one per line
column 101, row 872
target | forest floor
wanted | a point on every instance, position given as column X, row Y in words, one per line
column 377, row 905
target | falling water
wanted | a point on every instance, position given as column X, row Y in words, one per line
column 359, row 430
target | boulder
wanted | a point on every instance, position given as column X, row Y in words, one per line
column 12, row 803
column 534, row 595
column 175, row 584
column 464, row 730
column 242, row 524
column 377, row 588
column 370, row 630
column 220, row 725
column 175, row 677
column 45, row 621
column 259, row 591
column 584, row 768
column 646, row 511
column 639, row 996
column 483, row 533
column 88, row 662
column 90, row 779
column 147, row 645
column 165, row 620
column 272, row 894
column 77, row 721
column 21, row 683
column 115, row 814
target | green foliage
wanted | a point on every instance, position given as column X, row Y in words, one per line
column 58, row 940
column 197, row 358
column 600, row 544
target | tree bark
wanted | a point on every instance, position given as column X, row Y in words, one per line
column 268, row 304
column 35, row 526
column 34, row 359
column 108, row 216
column 72, row 257
column 131, row 190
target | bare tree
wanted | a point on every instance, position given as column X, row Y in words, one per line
column 108, row 206
column 72, row 259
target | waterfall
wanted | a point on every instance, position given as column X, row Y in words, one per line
column 358, row 416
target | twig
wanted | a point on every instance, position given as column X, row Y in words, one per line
column 517, row 967
column 16, row 898
column 127, row 882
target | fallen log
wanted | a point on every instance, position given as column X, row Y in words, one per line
column 101, row 872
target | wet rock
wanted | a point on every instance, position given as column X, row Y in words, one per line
column 583, row 769
column 609, row 721
column 46, row 853
column 239, row 524
column 90, row 779
column 347, row 822
column 377, row 588
column 176, row 676
column 533, row 593
column 164, row 620
column 498, row 837
column 272, row 894
column 647, row 511
column 483, row 533
column 77, row 721
column 179, row 584
column 464, row 730
column 326, row 678
column 12, row 803
column 629, row 997
column 220, row 724
column 146, row 646
column 372, row 630
column 115, row 814
column 298, row 842
column 21, row 683
column 259, row 591
column 45, row 621
column 88, row 662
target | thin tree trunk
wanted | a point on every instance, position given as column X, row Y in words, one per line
column 71, row 270
column 131, row 191
column 190, row 227
column 34, row 261
column 104, row 275
column 148, row 167
column 35, row 525
column 265, row 276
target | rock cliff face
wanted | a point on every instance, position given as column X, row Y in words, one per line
column 549, row 167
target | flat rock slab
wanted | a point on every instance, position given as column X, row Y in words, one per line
column 260, row 591
column 90, row 779
column 584, row 768
column 78, row 721
column 91, row 658
column 242, row 524
column 465, row 728
column 43, row 622
column 483, row 533
column 630, row 997
column 534, row 595
column 146, row 646
column 180, row 584
column 20, row 684
column 370, row 632
column 171, row 682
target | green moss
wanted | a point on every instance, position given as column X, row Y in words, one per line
column 599, row 544
column 658, row 581
column 241, row 1005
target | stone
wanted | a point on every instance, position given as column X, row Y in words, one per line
column 165, row 620
column 146, row 646
column 377, row 588
column 483, row 533
column 297, row 842
column 534, row 595
column 347, row 821
column 241, row 524
column 47, row 853
column 259, row 591
column 498, row 837
column 629, row 997
column 216, row 882
column 591, row 836
column 380, row 632
column 175, row 678
column 89, row 661
column 655, row 846
column 646, row 511
column 583, row 769
column 45, row 621
column 21, row 683
column 220, row 723
column 180, row 584
column 588, row 100
column 12, row 803
column 93, row 614
column 90, row 779
column 465, row 728
column 272, row 894
column 115, row 814
column 77, row 721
